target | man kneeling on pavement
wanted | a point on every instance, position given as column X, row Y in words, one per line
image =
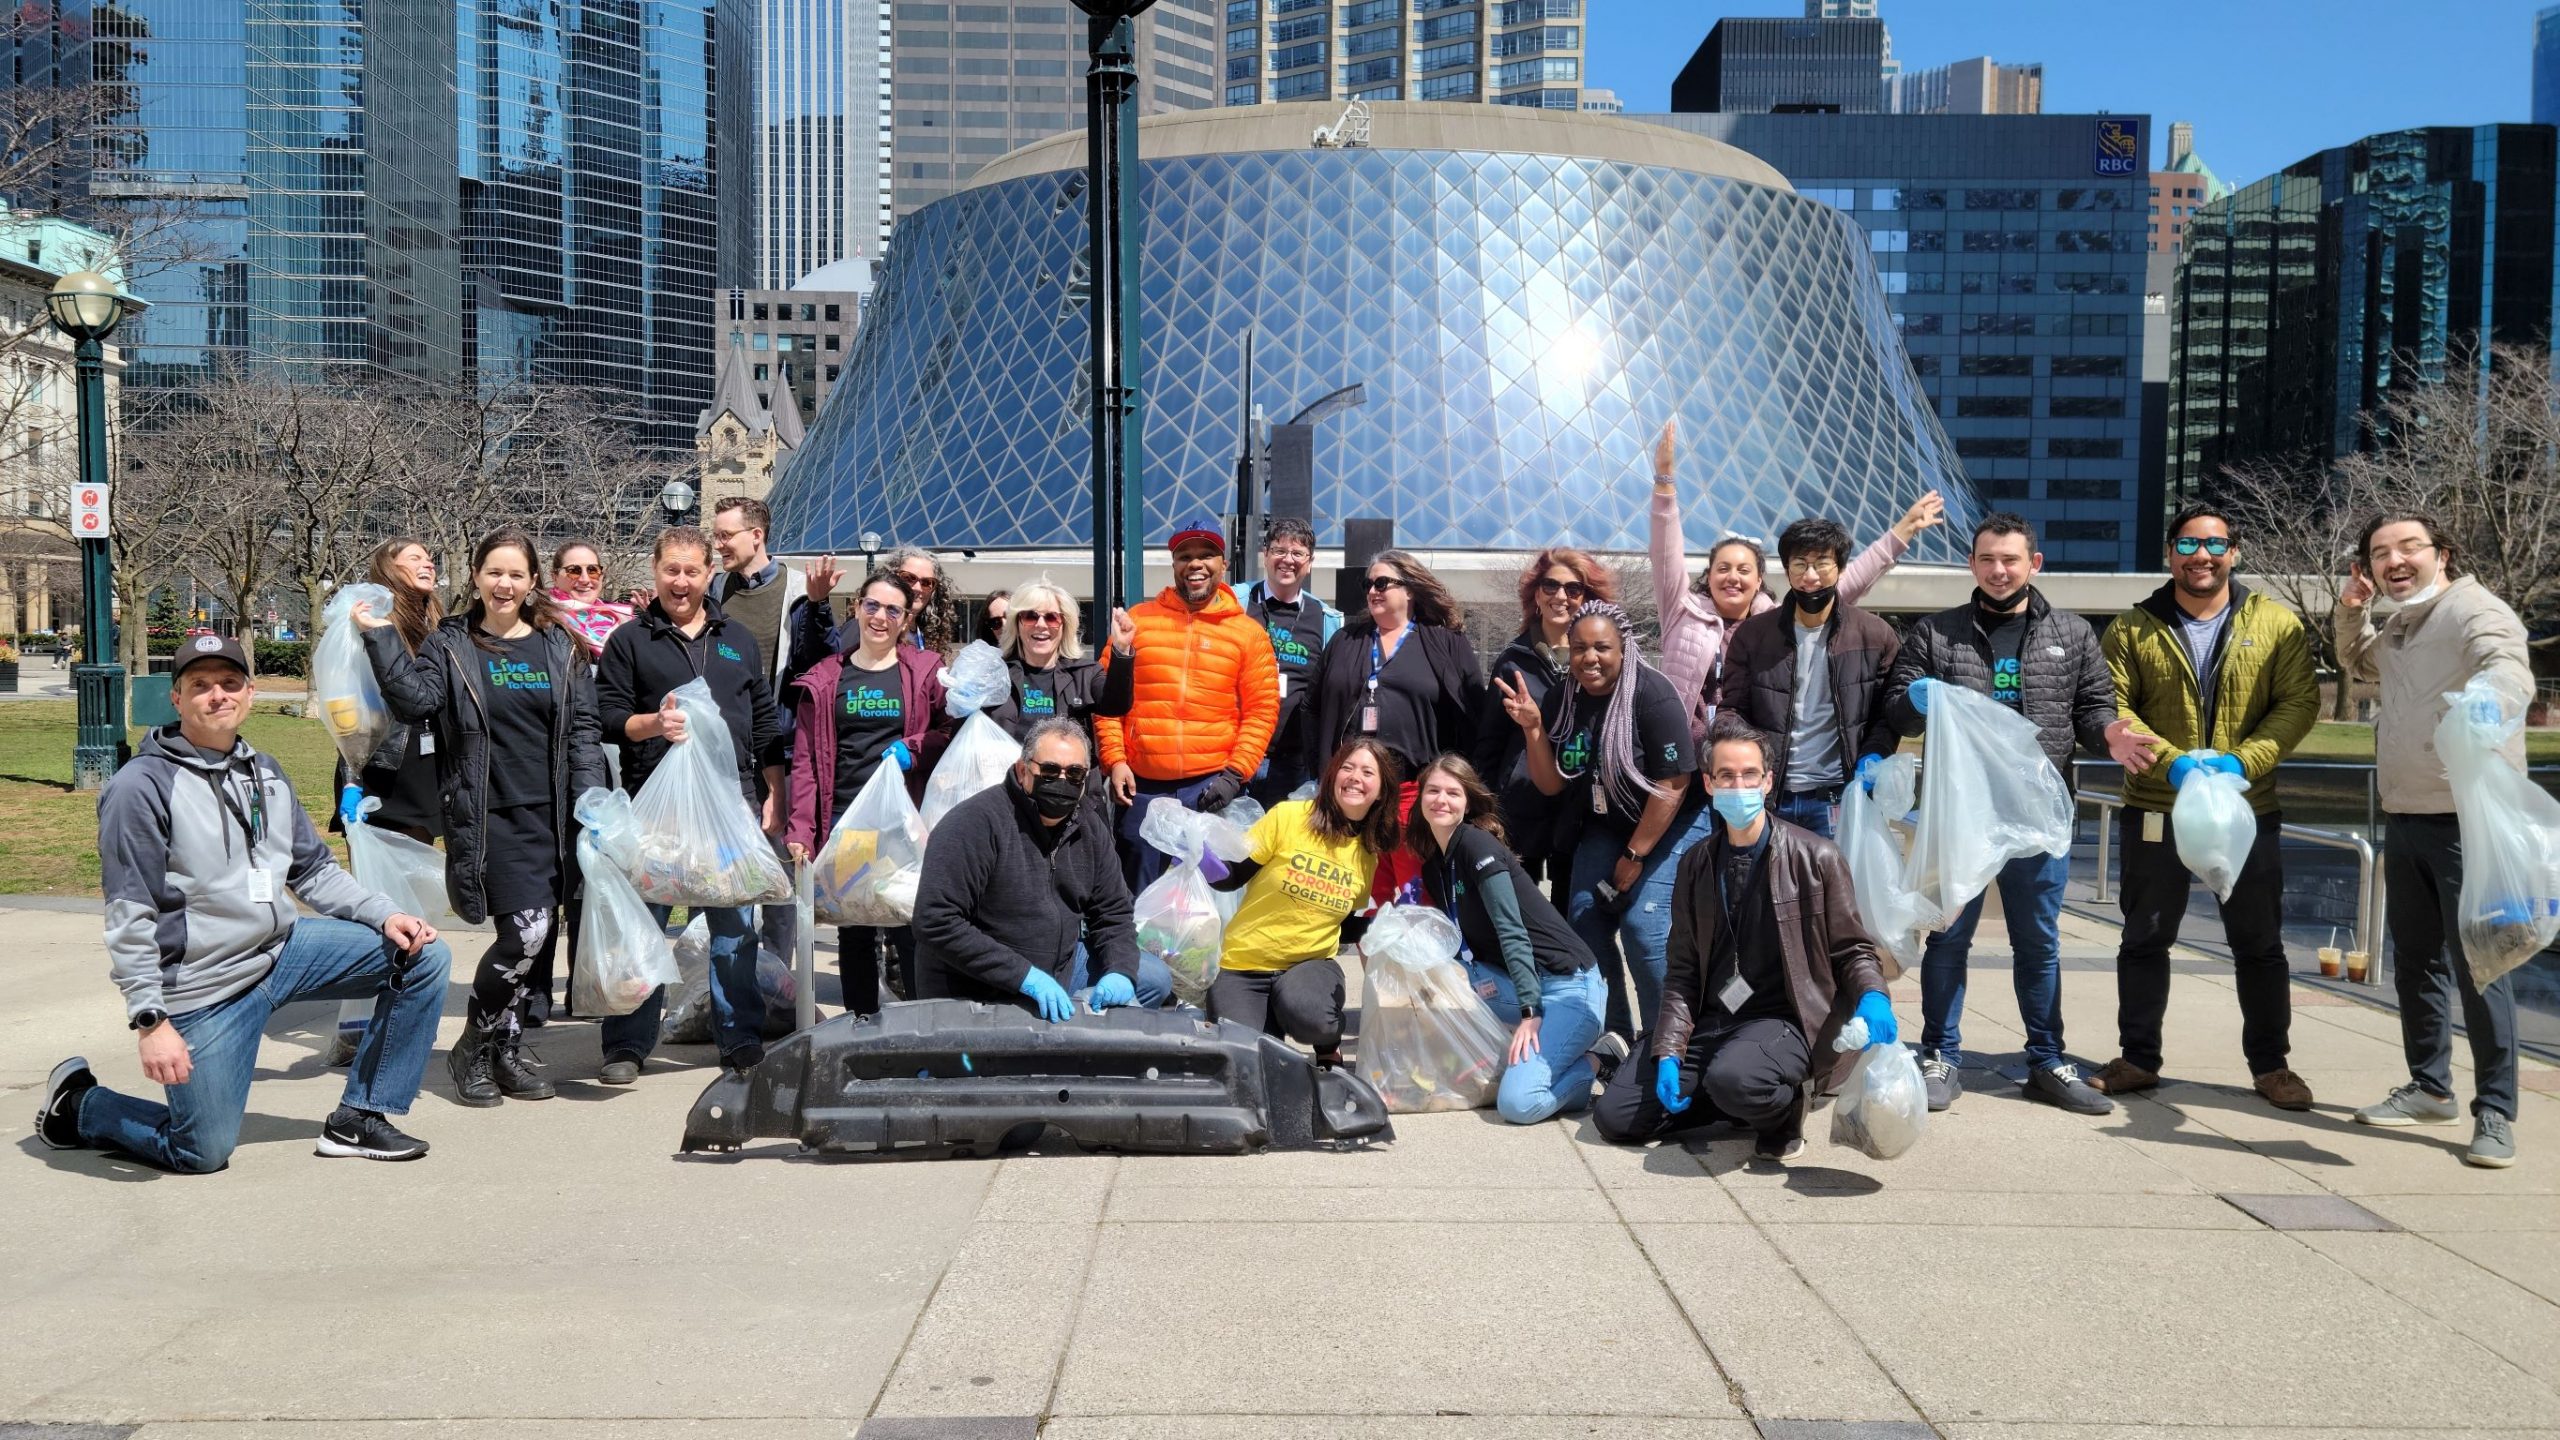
column 1768, row 959
column 199, row 840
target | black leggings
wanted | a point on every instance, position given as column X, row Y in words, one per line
column 522, row 935
column 855, row 948
column 1303, row 1002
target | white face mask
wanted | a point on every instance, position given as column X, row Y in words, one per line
column 2427, row 594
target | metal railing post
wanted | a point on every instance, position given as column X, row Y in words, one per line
column 2107, row 805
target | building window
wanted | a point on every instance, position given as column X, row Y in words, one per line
column 764, row 373
column 1372, row 42
column 1533, row 72
column 1243, row 12
column 2084, row 489
column 1299, row 56
column 2006, row 365
column 1443, row 56
column 1370, row 12
column 2059, row 449
column 1249, row 94
column 759, row 310
column 2088, row 366
column 1243, row 67
column 1291, row 31
column 1990, row 447
column 2086, row 407
column 1244, row 39
column 1445, row 27
column 832, row 372
column 1447, row 87
column 2000, row 199
column 835, row 342
column 2083, row 530
column 1993, row 407
column 2000, row 324
column 1298, row 87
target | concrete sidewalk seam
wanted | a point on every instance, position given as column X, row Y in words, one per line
column 1732, row 1387
column 1084, row 1291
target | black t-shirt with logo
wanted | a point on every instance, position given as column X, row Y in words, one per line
column 2008, row 636
column 870, row 716
column 516, row 678
column 1297, row 643
column 1662, row 743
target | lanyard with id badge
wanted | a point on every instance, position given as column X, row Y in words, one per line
column 1369, row 710
column 1736, row 992
column 253, row 824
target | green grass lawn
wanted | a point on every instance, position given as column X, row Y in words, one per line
column 2335, row 740
column 49, row 832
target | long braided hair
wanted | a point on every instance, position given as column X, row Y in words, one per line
column 1616, row 767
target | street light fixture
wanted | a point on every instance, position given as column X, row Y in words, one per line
column 86, row 307
column 1113, row 244
column 677, row 500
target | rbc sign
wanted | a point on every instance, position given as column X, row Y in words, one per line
column 2119, row 147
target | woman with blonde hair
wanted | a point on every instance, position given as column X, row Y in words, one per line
column 1053, row 679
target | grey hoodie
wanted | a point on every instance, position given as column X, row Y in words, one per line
column 174, row 860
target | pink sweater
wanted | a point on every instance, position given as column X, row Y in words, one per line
column 1694, row 635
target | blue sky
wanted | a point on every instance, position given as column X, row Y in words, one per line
column 2265, row 81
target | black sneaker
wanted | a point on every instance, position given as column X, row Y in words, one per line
column 620, row 1068
column 58, row 1119
column 2061, row 1085
column 363, row 1135
column 1607, row 1054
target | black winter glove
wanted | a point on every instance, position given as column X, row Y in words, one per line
column 1219, row 793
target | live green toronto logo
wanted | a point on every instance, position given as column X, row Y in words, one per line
column 870, row 701
column 517, row 675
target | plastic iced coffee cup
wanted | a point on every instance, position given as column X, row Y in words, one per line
column 2329, row 955
column 2356, row 961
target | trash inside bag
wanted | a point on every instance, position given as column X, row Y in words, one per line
column 1181, row 920
column 975, row 762
column 2214, row 825
column 1883, row 1106
column 344, row 693
column 976, row 680
column 1897, row 915
column 1987, row 797
column 688, row 1019
column 623, row 954
column 1427, row 1042
column 700, row 842
column 867, row 871
column 2510, row 906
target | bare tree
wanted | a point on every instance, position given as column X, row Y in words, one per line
column 2297, row 525
column 152, row 522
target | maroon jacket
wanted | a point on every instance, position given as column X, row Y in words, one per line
column 813, row 743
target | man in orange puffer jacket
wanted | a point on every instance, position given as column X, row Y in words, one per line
column 1207, row 698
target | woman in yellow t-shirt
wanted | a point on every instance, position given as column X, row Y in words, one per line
column 1309, row 868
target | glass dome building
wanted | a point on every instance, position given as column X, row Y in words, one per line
column 1525, row 295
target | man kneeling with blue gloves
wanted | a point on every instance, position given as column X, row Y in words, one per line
column 1019, row 876
column 1768, row 958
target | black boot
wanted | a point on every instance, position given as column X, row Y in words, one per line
column 469, row 1066
column 513, row 1072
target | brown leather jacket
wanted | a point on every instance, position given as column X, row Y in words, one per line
column 1817, row 917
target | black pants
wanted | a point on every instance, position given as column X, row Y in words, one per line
column 1748, row 1073
column 857, row 963
column 2422, row 863
column 500, row 981
column 2156, row 887
column 1303, row 1002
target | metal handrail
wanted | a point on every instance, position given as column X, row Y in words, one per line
column 2369, row 877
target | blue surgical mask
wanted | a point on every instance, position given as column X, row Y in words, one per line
column 1739, row 807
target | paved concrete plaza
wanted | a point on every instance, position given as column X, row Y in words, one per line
column 556, row 1270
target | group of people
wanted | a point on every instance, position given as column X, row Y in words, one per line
column 1637, row 855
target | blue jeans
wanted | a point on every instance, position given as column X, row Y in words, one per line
column 322, row 959
column 1140, row 862
column 1557, row 1079
column 1814, row 810
column 2031, row 896
column 1641, row 932
column 1154, row 981
column 737, row 1006
column 1504, row 1001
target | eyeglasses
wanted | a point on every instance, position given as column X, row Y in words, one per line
column 581, row 569
column 1573, row 590
column 1040, row 617
column 875, row 609
column 2214, row 545
column 2409, row 551
column 1739, row 779
column 1381, row 584
column 1052, row 770
column 1813, row 565
column 1291, row 553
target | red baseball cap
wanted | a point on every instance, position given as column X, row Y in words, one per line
column 1212, row 534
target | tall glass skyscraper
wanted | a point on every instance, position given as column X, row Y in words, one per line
column 822, row 137
column 1504, row 51
column 2546, row 67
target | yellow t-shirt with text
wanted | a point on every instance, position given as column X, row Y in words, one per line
column 1295, row 904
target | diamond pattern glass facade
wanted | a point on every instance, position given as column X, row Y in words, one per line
column 1522, row 322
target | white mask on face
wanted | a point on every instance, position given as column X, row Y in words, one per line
column 2427, row 594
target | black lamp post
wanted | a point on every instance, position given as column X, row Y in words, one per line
column 86, row 307
column 1113, row 240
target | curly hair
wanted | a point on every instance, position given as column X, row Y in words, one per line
column 936, row 621
column 1599, row 581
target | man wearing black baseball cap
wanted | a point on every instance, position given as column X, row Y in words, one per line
column 202, row 851
column 1207, row 698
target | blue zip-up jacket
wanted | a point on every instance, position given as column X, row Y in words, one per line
column 174, row 862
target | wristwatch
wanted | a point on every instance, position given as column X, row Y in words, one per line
column 148, row 1020
column 1630, row 854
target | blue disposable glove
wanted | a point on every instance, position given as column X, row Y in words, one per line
column 1867, row 767
column 1050, row 996
column 1113, row 990
column 1877, row 1011
column 1666, row 1085
column 899, row 752
column 1922, row 691
column 2183, row 769
column 351, row 805
column 2227, row 764
column 2487, row 719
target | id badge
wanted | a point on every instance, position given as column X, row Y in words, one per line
column 1284, row 687
column 1735, row 994
column 2153, row 823
column 1368, row 719
column 426, row 742
column 1599, row 798
column 262, row 885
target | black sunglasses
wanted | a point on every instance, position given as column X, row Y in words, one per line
column 1569, row 589
column 1381, row 584
column 2213, row 545
column 1052, row 770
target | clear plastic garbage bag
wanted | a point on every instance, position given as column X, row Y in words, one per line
column 1181, row 921
column 407, row 873
column 1898, row 916
column 1427, row 1041
column 699, row 842
column 623, row 953
column 2214, row 825
column 1987, row 797
column 688, row 1019
column 976, row 680
column 1883, row 1106
column 867, row 871
column 976, row 761
column 2510, row 905
column 344, row 692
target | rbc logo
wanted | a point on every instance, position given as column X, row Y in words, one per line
column 2119, row 146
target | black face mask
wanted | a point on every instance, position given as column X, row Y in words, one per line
column 2010, row 606
column 1814, row 602
column 1056, row 799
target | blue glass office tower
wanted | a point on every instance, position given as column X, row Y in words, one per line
column 2304, row 299
column 2546, row 67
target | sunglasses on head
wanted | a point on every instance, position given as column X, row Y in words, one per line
column 1569, row 589
column 1052, row 770
column 2213, row 545
column 1381, row 584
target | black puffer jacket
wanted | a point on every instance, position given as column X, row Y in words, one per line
column 1758, row 679
column 443, row 685
column 2066, row 688
column 1533, row 824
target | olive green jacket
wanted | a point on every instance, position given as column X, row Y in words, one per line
column 2266, row 698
